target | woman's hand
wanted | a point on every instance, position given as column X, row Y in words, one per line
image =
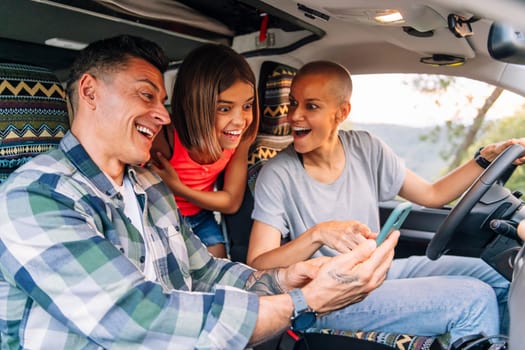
column 342, row 236
column 490, row 152
column 521, row 230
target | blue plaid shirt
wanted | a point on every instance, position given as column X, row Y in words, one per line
column 71, row 265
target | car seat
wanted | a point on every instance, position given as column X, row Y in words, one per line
column 33, row 114
column 274, row 135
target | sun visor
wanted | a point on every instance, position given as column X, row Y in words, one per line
column 169, row 11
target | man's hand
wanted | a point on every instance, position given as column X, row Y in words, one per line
column 349, row 278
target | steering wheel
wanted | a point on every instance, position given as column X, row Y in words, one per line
column 440, row 242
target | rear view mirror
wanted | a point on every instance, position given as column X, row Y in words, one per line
column 506, row 44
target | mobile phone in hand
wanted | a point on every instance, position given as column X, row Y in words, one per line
column 394, row 221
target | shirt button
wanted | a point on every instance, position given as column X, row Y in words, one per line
column 122, row 250
column 184, row 271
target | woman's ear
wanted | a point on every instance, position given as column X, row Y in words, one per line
column 86, row 90
column 343, row 112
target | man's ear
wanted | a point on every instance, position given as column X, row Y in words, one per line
column 87, row 90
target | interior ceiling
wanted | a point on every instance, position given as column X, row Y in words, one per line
column 74, row 18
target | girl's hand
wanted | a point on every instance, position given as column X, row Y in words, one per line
column 162, row 167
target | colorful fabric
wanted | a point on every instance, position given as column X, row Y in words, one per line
column 71, row 265
column 277, row 80
column 274, row 128
column 201, row 177
column 33, row 114
column 396, row 341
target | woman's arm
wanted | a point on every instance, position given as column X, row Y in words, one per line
column 452, row 185
column 265, row 250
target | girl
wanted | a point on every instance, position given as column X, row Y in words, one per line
column 214, row 121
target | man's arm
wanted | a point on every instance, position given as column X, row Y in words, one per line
column 62, row 261
column 327, row 283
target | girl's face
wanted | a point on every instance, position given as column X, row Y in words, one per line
column 314, row 112
column 234, row 113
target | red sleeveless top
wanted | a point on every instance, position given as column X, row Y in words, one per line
column 197, row 176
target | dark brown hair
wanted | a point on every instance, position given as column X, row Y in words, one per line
column 106, row 56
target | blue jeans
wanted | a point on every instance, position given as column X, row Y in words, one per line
column 204, row 225
column 456, row 295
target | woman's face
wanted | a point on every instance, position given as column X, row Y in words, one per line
column 234, row 113
column 314, row 113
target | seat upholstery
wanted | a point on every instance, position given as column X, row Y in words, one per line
column 33, row 114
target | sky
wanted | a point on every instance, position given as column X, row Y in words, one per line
column 385, row 99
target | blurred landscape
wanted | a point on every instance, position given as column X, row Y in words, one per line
column 420, row 156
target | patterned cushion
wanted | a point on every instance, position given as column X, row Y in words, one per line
column 395, row 340
column 33, row 114
column 276, row 81
column 274, row 129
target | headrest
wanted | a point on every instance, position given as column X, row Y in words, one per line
column 274, row 130
column 274, row 87
column 33, row 114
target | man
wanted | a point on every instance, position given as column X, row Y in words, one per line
column 328, row 176
column 92, row 254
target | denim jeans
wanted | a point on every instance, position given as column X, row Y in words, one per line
column 206, row 227
column 456, row 295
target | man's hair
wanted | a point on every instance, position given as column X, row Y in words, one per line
column 206, row 72
column 344, row 79
column 106, row 56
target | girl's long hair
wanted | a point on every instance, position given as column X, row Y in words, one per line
column 206, row 72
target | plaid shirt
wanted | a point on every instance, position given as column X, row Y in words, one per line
column 71, row 266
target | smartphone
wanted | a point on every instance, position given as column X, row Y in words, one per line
column 394, row 221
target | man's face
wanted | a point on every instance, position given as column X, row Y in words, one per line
column 130, row 113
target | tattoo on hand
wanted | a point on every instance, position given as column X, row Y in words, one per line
column 265, row 282
column 342, row 278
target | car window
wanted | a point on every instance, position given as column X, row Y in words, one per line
column 426, row 118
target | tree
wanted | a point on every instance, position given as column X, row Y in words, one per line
column 459, row 132
column 502, row 129
column 472, row 131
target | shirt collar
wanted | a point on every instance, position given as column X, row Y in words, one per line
column 78, row 155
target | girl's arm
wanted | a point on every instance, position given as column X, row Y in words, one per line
column 227, row 200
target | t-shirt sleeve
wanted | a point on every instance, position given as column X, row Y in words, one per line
column 270, row 194
column 391, row 170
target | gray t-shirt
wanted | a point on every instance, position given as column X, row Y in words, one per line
column 287, row 198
